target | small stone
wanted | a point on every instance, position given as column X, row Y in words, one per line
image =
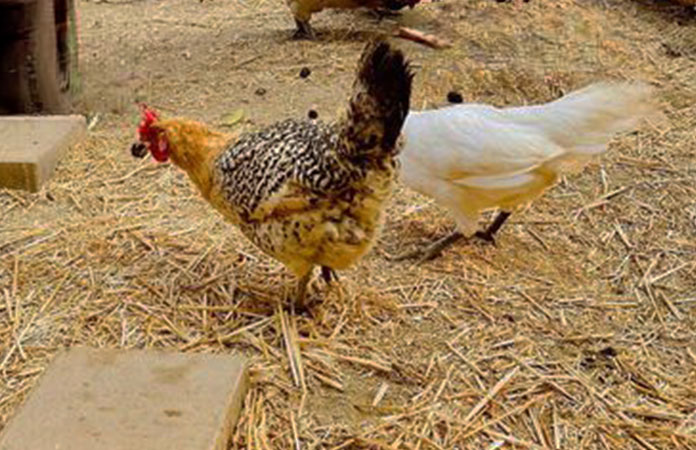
column 455, row 97
column 260, row 92
column 608, row 352
column 305, row 72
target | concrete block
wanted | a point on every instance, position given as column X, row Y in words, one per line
column 30, row 147
column 99, row 399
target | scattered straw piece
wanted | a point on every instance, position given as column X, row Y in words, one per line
column 489, row 395
column 360, row 361
column 422, row 38
column 379, row 395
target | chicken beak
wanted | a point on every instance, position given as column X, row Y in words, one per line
column 138, row 150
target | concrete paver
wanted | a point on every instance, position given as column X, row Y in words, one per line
column 102, row 399
column 31, row 145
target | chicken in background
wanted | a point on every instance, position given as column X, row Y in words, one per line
column 305, row 193
column 302, row 10
column 474, row 157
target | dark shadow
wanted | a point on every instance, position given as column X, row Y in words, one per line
column 670, row 10
column 325, row 35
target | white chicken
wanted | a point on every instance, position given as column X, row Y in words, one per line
column 474, row 157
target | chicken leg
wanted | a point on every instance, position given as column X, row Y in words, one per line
column 489, row 233
column 328, row 274
column 435, row 249
column 304, row 30
column 301, row 295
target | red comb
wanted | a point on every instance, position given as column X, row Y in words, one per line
column 159, row 148
column 148, row 117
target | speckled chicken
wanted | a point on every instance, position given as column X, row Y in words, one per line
column 306, row 193
column 302, row 10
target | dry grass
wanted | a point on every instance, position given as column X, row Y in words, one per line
column 577, row 331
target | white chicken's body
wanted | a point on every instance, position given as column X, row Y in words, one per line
column 474, row 157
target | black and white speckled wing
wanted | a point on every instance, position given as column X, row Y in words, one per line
column 260, row 166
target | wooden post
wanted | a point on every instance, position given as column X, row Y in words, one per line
column 31, row 48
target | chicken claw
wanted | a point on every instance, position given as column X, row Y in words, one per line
column 430, row 252
column 488, row 235
column 435, row 249
column 301, row 305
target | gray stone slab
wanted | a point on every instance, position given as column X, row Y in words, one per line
column 100, row 399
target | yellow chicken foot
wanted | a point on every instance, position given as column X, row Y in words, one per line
column 304, row 30
column 488, row 234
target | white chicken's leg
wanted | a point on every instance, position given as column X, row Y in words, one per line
column 488, row 234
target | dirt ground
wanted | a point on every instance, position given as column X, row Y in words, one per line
column 577, row 331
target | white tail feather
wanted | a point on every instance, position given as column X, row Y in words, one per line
column 586, row 120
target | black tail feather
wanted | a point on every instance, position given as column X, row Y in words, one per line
column 381, row 100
